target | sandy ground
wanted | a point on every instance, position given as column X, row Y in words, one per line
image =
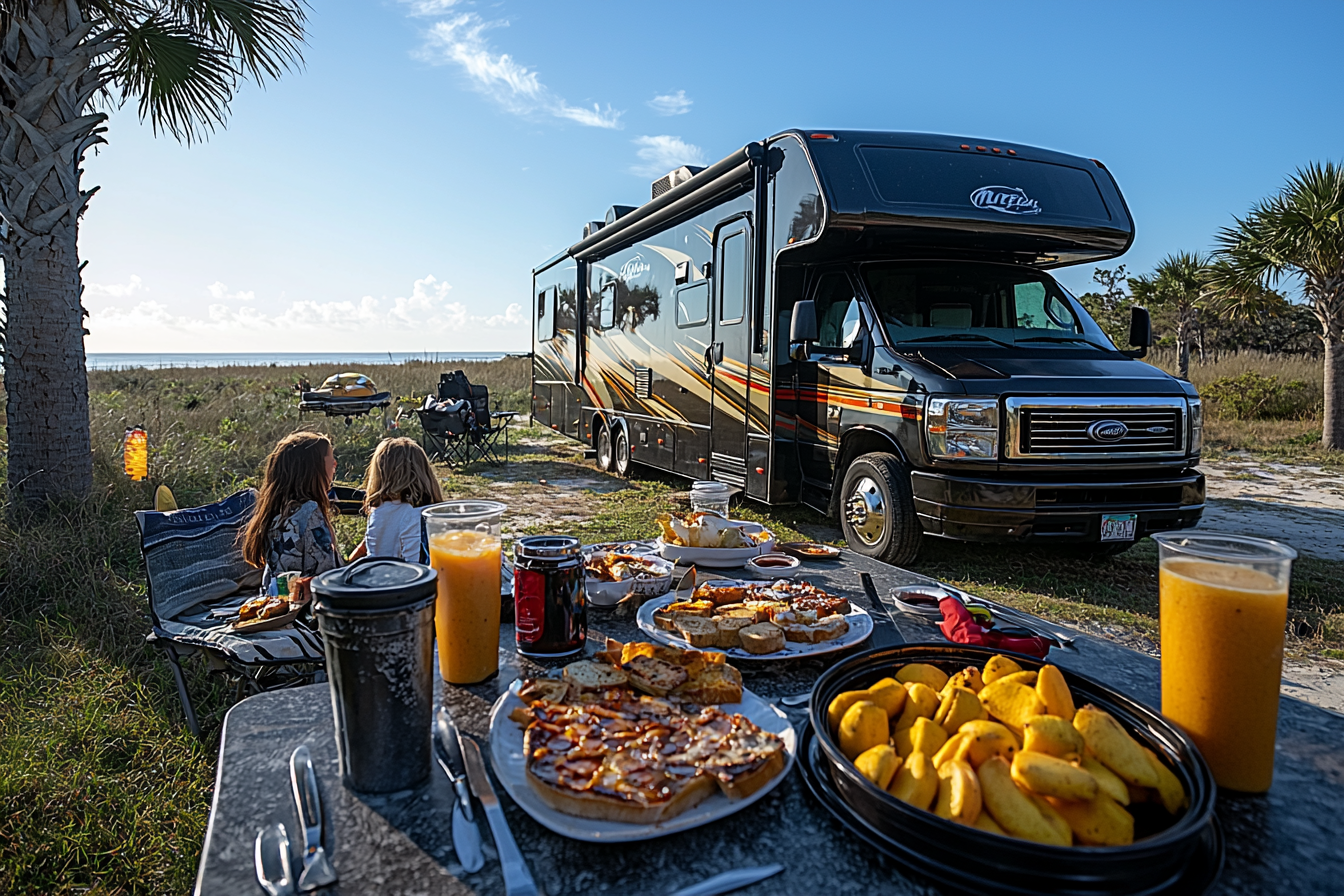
column 1299, row 504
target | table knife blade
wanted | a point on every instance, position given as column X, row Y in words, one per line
column 729, row 881
column 466, row 835
column 517, row 879
column 885, row 632
column 317, row 870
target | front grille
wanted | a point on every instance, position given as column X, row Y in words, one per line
column 1064, row 428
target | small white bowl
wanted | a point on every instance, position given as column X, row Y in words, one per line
column 778, row 566
column 608, row 594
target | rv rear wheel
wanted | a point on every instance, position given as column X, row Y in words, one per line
column 602, row 443
column 620, row 452
column 877, row 509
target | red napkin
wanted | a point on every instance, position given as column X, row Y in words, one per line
column 960, row 626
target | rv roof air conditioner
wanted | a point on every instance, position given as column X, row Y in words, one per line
column 618, row 211
column 674, row 178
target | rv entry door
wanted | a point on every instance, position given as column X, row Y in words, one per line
column 727, row 354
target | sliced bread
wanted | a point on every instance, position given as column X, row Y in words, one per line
column 763, row 637
column 698, row 631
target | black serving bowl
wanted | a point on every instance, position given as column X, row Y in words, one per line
column 970, row 859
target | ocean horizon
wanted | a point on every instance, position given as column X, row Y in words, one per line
column 163, row 360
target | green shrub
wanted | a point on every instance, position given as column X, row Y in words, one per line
column 1254, row 396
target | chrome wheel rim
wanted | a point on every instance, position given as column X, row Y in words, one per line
column 604, row 448
column 866, row 511
column 622, row 451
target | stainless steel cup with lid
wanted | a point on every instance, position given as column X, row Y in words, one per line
column 377, row 622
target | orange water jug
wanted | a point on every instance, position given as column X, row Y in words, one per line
column 136, row 451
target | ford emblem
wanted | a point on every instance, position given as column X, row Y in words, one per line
column 1107, row 431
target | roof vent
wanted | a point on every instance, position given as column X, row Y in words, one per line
column 591, row 228
column 674, row 178
column 618, row 211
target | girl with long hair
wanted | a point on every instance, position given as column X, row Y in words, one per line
column 290, row 529
column 399, row 482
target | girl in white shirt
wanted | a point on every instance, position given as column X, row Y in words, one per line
column 398, row 483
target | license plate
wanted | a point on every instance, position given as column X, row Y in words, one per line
column 1118, row 526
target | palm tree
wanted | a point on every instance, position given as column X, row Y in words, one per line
column 1298, row 233
column 1178, row 283
column 62, row 64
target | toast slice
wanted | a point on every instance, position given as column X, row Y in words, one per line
column 718, row 683
column 591, row 676
column 698, row 631
column 830, row 628
column 655, row 676
column 763, row 637
column 719, row 593
column 752, row 613
column 729, row 626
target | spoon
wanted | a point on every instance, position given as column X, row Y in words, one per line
column 796, row 699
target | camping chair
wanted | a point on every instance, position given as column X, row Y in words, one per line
column 196, row 572
column 460, row 427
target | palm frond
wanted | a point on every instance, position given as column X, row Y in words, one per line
column 183, row 84
column 264, row 35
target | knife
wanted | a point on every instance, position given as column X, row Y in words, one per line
column 885, row 632
column 270, row 855
column 317, row 871
column 729, row 881
column 466, row 836
column 517, row 879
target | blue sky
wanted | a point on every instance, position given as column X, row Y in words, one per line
column 396, row 192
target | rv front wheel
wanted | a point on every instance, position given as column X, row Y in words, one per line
column 620, row 452
column 603, row 445
column 877, row 509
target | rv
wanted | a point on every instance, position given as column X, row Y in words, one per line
column 864, row 323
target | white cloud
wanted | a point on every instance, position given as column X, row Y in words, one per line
column 659, row 155
column 218, row 291
column 115, row 290
column 461, row 41
column 426, row 311
column 671, row 103
column 430, row 7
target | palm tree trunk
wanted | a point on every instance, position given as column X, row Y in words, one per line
column 48, row 79
column 45, row 379
column 1182, row 346
column 1332, row 424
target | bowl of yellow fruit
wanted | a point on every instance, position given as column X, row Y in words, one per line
column 1002, row 773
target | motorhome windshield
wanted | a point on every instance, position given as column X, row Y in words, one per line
column 936, row 301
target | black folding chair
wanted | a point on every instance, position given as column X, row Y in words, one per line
column 460, row 427
column 196, row 574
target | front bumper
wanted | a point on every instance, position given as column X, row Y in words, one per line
column 968, row 508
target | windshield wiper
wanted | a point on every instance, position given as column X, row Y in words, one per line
column 958, row 337
column 1064, row 339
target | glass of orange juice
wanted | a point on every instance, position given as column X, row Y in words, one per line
column 1224, row 604
column 464, row 546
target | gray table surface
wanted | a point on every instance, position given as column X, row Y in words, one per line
column 1287, row 841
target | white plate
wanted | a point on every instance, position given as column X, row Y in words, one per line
column 506, row 754
column 860, row 627
column 721, row 558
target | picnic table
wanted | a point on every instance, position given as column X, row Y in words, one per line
column 1286, row 841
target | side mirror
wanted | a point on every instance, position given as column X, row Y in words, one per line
column 802, row 329
column 1140, row 332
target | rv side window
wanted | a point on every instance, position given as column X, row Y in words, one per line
column 733, row 279
column 606, row 308
column 693, row 304
column 838, row 316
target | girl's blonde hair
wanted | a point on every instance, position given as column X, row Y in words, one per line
column 295, row 473
column 400, row 471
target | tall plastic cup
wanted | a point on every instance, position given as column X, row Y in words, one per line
column 464, row 547
column 375, row 618
column 1224, row 604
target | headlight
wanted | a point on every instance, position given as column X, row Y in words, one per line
column 963, row 428
column 1196, row 424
